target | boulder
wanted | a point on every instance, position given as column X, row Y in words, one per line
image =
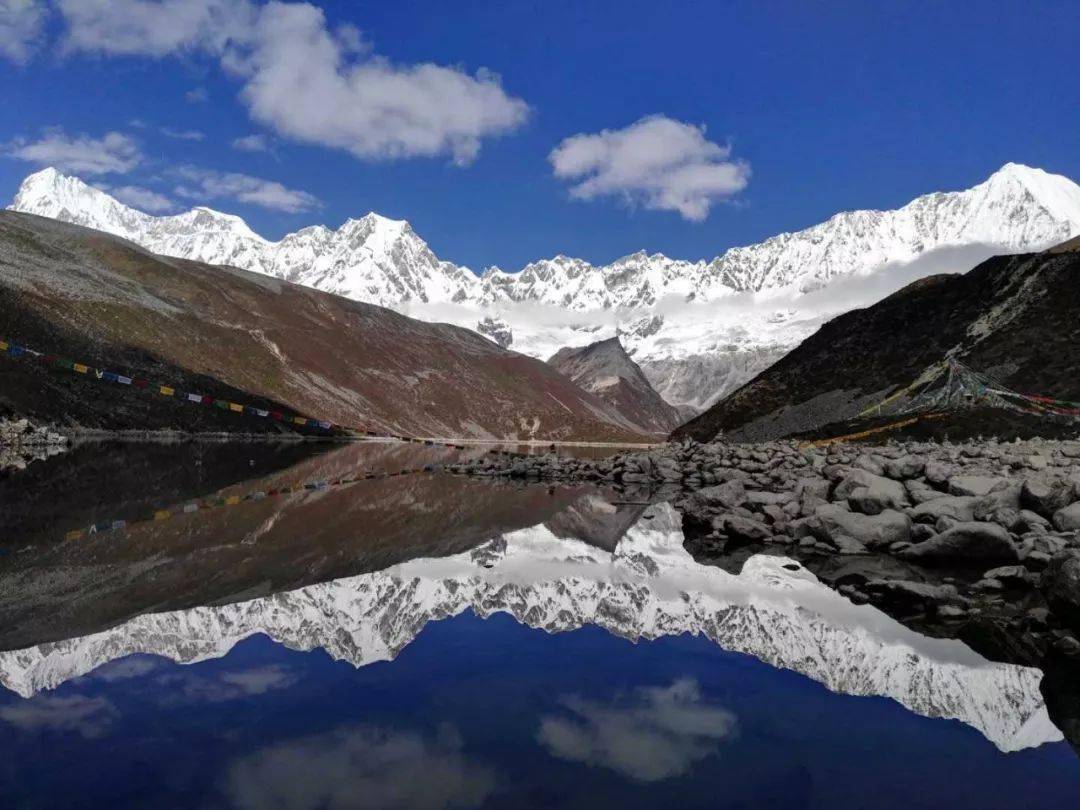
column 871, row 494
column 872, row 531
column 920, row 492
column 812, row 487
column 746, row 530
column 966, row 542
column 905, row 594
column 1003, row 498
column 1060, row 585
column 905, row 467
column 1068, row 519
column 937, row 472
column 1046, row 497
column 956, row 507
column 974, row 484
column 1011, row 575
column 722, row 496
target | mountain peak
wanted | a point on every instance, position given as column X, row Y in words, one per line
column 1059, row 195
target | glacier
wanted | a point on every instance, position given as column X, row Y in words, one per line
column 646, row 588
column 698, row 329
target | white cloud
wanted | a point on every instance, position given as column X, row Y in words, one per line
column 183, row 134
column 657, row 734
column 88, row 716
column 153, row 27
column 252, row 143
column 112, row 153
column 657, row 162
column 205, row 184
column 143, row 198
column 306, row 81
column 361, row 766
column 21, row 23
column 197, row 95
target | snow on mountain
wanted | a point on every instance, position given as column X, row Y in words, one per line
column 648, row 587
column 709, row 326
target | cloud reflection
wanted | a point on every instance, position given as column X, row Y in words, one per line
column 88, row 716
column 361, row 766
column 658, row 733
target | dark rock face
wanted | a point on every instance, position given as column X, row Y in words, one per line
column 1012, row 316
column 606, row 370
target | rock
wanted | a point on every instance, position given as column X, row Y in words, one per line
column 1067, row 519
column 957, row 507
column 966, row 542
column 905, row 467
column 872, row 531
column 951, row 612
column 920, row 492
column 764, row 498
column 1012, row 575
column 726, row 496
column 1037, row 462
column 974, row 484
column 937, row 472
column 1060, row 585
column 1045, row 498
column 812, row 487
column 907, row 594
column 745, row 529
column 872, row 464
column 871, row 494
column 1028, row 521
column 848, row 545
column 921, row 532
column 1003, row 498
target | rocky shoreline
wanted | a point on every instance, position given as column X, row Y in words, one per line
column 22, row 443
column 978, row 541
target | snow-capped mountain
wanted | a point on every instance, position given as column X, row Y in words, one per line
column 648, row 587
column 698, row 329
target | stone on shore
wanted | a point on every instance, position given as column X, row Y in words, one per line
column 872, row 531
column 966, row 542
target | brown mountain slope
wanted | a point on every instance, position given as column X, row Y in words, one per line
column 228, row 333
column 1016, row 318
column 605, row 369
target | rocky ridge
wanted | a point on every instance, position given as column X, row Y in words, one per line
column 606, row 370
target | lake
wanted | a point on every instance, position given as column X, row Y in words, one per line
column 244, row 626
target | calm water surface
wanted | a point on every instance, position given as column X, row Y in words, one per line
column 431, row 641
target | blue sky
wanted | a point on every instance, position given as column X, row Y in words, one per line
column 456, row 116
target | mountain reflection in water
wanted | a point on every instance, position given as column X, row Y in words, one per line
column 149, row 635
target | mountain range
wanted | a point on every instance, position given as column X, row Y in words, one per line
column 246, row 338
column 1014, row 318
column 646, row 588
column 698, row 329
